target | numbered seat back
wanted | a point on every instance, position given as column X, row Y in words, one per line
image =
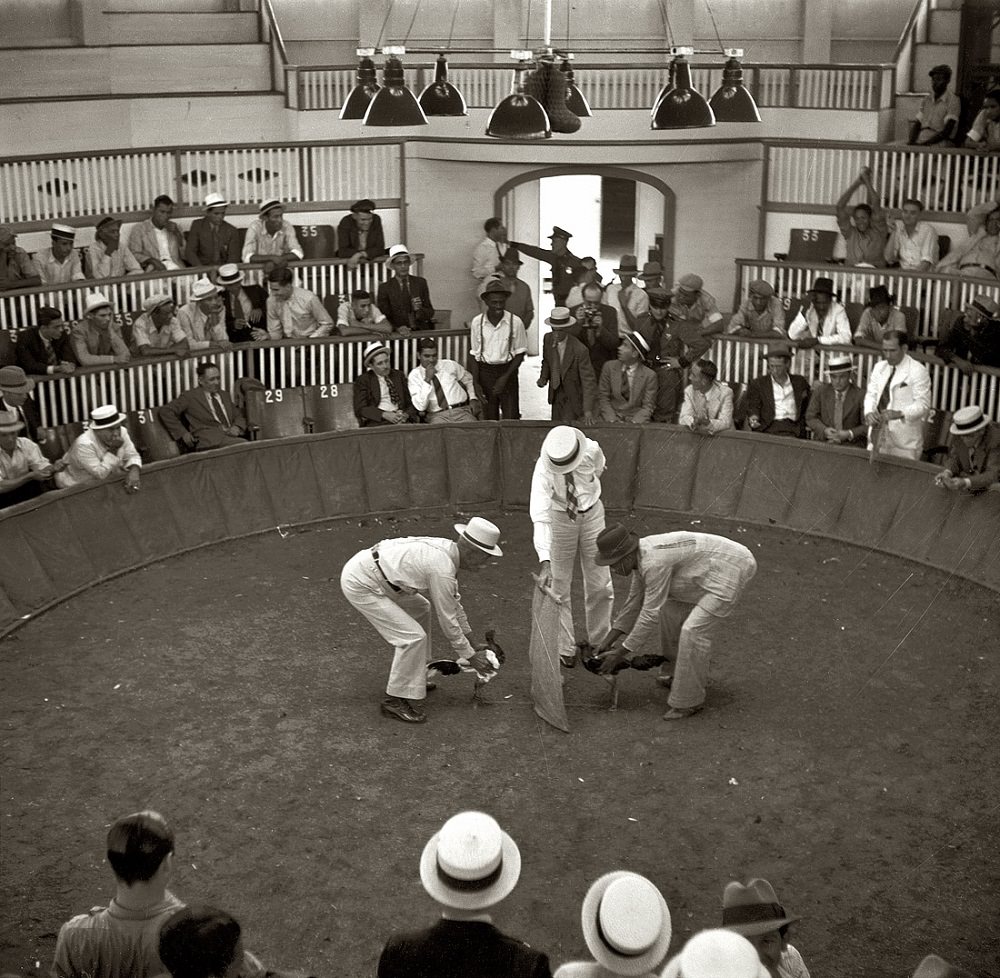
column 330, row 407
column 792, row 305
column 317, row 240
column 937, row 435
column 152, row 441
column 811, row 245
column 275, row 413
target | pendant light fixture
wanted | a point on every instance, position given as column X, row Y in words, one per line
column 356, row 104
column 394, row 104
column 576, row 101
column 440, row 97
column 682, row 106
column 519, row 116
column 733, row 101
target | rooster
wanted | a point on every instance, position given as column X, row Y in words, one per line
column 591, row 660
column 452, row 667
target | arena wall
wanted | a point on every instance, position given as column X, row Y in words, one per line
column 68, row 541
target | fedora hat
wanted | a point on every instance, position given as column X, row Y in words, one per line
column 371, row 351
column 13, row 380
column 229, row 275
column 934, row 967
column 839, row 363
column 716, row 954
column 482, row 534
column 153, row 302
column 823, row 286
column 651, row 269
column 471, row 863
column 563, row 448
column 629, row 265
column 215, row 200
column 95, row 301
column 615, row 543
column 639, row 342
column 493, row 286
column 626, row 923
column 778, row 350
column 560, row 318
column 558, row 232
column 204, row 288
column 752, row 909
column 398, row 249
column 965, row 421
column 106, row 416
column 878, row 294
column 10, row 423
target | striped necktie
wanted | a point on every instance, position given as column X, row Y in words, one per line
column 572, row 505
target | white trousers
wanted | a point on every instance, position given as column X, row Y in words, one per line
column 572, row 539
column 402, row 619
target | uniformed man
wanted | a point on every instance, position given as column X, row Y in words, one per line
column 565, row 265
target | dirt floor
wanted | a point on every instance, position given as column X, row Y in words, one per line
column 848, row 754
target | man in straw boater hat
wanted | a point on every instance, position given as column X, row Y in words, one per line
column 381, row 393
column 683, row 585
column 103, row 451
column 822, row 320
column 716, row 953
column 973, row 462
column 271, row 237
column 754, row 912
column 212, row 240
column 626, row 926
column 59, row 264
column 395, row 583
column 567, row 370
column 467, row 868
column 626, row 389
column 836, row 409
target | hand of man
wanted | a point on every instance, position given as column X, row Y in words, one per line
column 610, row 639
column 255, row 316
column 65, row 368
column 259, row 334
column 430, row 370
column 132, row 479
column 479, row 662
column 832, row 434
column 540, row 382
column 545, row 575
column 872, row 419
column 40, row 475
column 233, row 431
column 154, row 265
column 188, row 439
column 404, row 330
column 476, row 407
column 121, row 358
column 754, row 422
column 588, row 419
column 611, row 658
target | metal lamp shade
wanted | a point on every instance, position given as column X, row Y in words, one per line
column 576, row 101
column 733, row 102
column 356, row 104
column 682, row 107
column 394, row 104
column 519, row 116
column 440, row 97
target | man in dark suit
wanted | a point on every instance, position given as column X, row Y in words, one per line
column 359, row 235
column 245, row 305
column 205, row 417
column 405, row 299
column 212, row 240
column 776, row 402
column 836, row 410
column 567, row 370
column 381, row 393
column 15, row 395
column 596, row 327
column 627, row 387
column 467, row 868
column 46, row 348
column 973, row 462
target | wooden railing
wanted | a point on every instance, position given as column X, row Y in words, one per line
column 626, row 86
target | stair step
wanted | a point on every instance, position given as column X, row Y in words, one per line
column 926, row 56
column 944, row 26
column 129, row 27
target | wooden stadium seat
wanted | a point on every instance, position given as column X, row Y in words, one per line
column 51, row 443
column 936, row 435
column 330, row 407
column 317, row 240
column 809, row 245
column 277, row 413
column 791, row 305
column 153, row 442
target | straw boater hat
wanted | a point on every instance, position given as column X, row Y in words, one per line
column 398, row 249
column 156, row 300
column 716, row 954
column 471, row 864
column 215, row 200
column 560, row 318
column 269, row 205
column 229, row 275
column 752, row 909
column 839, row 363
column 204, row 288
column 614, row 543
column 13, row 380
column 106, row 416
column 95, row 301
column 629, row 266
column 63, row 231
column 968, row 420
column 371, row 351
column 10, row 423
column 563, row 448
column 639, row 342
column 626, row 923
column 482, row 534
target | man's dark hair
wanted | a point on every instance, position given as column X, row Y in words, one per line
column 864, row 207
column 280, row 275
column 199, row 942
column 360, row 294
column 426, row 343
column 493, row 222
column 48, row 314
column 204, row 367
column 592, row 285
column 163, row 199
column 914, row 201
column 137, row 845
column 707, row 367
column 897, row 334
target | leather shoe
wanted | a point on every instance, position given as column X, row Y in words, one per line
column 665, row 681
column 567, row 661
column 402, row 710
column 682, row 713
column 431, row 686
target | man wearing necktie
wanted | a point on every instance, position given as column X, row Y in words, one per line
column 442, row 390
column 834, row 411
column 204, row 417
column 568, row 516
column 405, row 299
column 897, row 400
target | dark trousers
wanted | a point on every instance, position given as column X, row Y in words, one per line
column 506, row 403
column 784, row 428
column 563, row 409
column 669, row 395
column 23, row 493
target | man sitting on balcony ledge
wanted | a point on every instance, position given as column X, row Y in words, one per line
column 97, row 338
column 912, row 243
column 822, row 320
column 59, row 264
column 979, row 255
column 984, row 135
column 103, row 451
column 358, row 316
column 865, row 237
column 761, row 315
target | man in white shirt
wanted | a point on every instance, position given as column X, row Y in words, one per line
column 23, row 467
column 59, row 264
column 776, row 402
column 624, row 296
column 271, row 236
column 442, row 390
column 497, row 345
column 158, row 332
column 107, row 257
column 708, row 405
column 912, row 242
column 396, row 583
column 203, row 317
column 103, row 451
column 897, row 401
column 292, row 312
column 359, row 316
column 157, row 242
column 822, row 320
column 879, row 316
column 937, row 120
column 489, row 252
column 568, row 516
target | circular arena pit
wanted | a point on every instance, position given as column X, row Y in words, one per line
column 847, row 751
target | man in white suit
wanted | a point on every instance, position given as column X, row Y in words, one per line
column 897, row 400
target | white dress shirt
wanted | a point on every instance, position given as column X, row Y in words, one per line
column 486, row 258
column 456, row 383
column 548, row 493
column 636, row 301
column 714, row 406
column 88, row 460
column 909, row 250
column 260, row 242
column 300, row 315
column 26, row 457
column 835, row 328
column 784, row 400
column 499, row 343
column 54, row 272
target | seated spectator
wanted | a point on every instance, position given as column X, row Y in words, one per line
column 103, row 451
column 202, row 318
column 244, row 305
column 497, row 345
column 836, row 409
column 984, row 135
column 694, row 316
column 294, row 312
column 15, row 396
column 626, row 390
column 936, row 123
column 202, row 942
column 717, row 954
column 24, row 471
column 97, row 338
column 381, row 393
column 776, row 402
column 359, row 316
column 652, row 275
column 863, row 226
column 489, row 252
column 16, row 269
column 564, row 264
column 897, row 401
column 59, row 264
column 822, row 319
column 157, row 331
column 626, row 927
column 359, row 235
column 913, row 243
column 708, row 404
column 107, row 257
column 753, row 911
column 628, row 300
column 972, row 339
column 596, row 326
column 271, row 237
column 973, row 461
column 979, row 255
column 761, row 315
column 467, row 868
column 46, row 348
column 880, row 315
column 442, row 390
column 212, row 240
column 157, row 242
column 122, row 940
column 567, row 371
column 519, row 300
column 204, row 417
column 585, row 275
column 405, row 299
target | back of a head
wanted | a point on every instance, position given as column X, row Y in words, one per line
column 199, row 942
column 137, row 846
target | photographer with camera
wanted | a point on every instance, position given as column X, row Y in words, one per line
column 596, row 327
